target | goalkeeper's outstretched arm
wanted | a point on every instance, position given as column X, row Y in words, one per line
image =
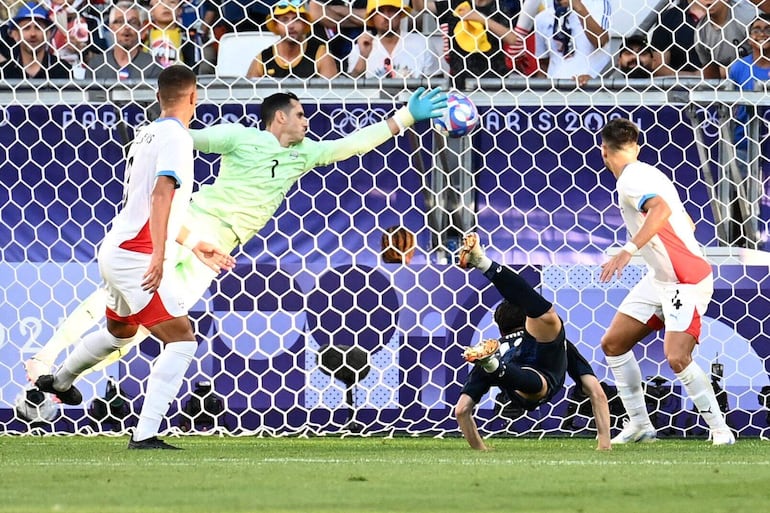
column 422, row 105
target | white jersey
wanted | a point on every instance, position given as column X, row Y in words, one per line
column 162, row 148
column 411, row 58
column 673, row 255
column 584, row 58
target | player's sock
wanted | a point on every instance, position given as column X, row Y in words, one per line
column 702, row 394
column 85, row 316
column 164, row 383
column 628, row 379
column 94, row 348
column 516, row 290
column 512, row 376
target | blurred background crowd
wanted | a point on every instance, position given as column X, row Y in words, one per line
column 469, row 39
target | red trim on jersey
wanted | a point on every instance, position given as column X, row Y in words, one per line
column 688, row 267
column 655, row 323
column 142, row 241
column 152, row 314
column 695, row 326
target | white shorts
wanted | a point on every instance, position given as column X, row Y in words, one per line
column 675, row 306
column 185, row 278
column 123, row 274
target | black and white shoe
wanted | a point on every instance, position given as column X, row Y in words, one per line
column 71, row 396
column 151, row 443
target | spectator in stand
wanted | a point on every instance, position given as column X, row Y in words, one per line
column 339, row 23
column 635, row 58
column 745, row 73
column 572, row 40
column 476, row 34
column 522, row 51
column 389, row 52
column 298, row 53
column 167, row 39
column 75, row 32
column 5, row 39
column 197, row 19
column 721, row 37
column 128, row 58
column 30, row 57
column 673, row 41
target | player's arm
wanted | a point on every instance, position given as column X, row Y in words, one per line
column 422, row 105
column 208, row 253
column 160, row 209
column 657, row 213
column 600, row 407
column 464, row 416
column 220, row 139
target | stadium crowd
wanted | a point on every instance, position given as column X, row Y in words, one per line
column 559, row 39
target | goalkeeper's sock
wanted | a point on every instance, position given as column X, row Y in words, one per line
column 517, row 291
column 702, row 394
column 94, row 348
column 83, row 318
column 628, row 380
column 164, row 383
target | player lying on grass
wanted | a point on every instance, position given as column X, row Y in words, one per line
column 257, row 168
column 530, row 360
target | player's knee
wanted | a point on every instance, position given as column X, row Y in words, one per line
column 121, row 330
column 678, row 362
column 611, row 344
column 463, row 409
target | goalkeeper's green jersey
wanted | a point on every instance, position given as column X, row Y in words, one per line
column 256, row 171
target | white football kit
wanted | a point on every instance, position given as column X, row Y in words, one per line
column 163, row 148
column 679, row 284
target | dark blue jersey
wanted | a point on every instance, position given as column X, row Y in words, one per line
column 551, row 360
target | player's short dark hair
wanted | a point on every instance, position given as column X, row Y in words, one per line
column 509, row 318
column 175, row 81
column 274, row 103
column 620, row 132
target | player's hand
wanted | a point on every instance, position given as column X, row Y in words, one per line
column 365, row 41
column 615, row 266
column 216, row 259
column 151, row 279
column 603, row 443
column 426, row 105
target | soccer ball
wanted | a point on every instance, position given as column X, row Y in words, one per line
column 32, row 405
column 460, row 116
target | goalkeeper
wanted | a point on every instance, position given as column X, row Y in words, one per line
column 530, row 364
column 257, row 168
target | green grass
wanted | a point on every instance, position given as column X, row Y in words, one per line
column 223, row 475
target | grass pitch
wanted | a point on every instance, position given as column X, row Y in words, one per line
column 223, row 475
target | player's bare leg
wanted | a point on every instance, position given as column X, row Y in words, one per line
column 70, row 332
column 617, row 343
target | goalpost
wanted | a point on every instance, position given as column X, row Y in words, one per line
column 312, row 333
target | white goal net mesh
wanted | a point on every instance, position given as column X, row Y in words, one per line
column 312, row 333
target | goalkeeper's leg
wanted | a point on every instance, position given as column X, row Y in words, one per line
column 83, row 318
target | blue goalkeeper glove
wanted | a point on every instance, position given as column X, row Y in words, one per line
column 426, row 105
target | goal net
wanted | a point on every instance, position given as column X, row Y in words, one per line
column 312, row 333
